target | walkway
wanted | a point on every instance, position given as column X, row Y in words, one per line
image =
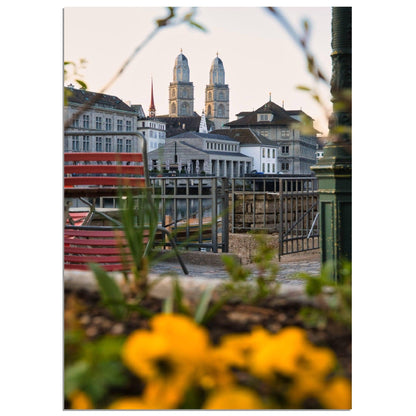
column 286, row 274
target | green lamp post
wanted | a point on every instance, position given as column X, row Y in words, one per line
column 334, row 169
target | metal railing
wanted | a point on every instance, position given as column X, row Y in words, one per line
column 195, row 210
column 284, row 205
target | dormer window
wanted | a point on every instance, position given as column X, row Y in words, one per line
column 264, row 117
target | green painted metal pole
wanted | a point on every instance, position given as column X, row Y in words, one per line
column 334, row 170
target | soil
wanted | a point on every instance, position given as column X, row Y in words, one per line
column 234, row 317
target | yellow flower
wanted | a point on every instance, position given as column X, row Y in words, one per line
column 174, row 340
column 187, row 340
column 129, row 403
column 168, row 357
column 233, row 398
column 337, row 394
column 236, row 349
column 279, row 353
column 79, row 400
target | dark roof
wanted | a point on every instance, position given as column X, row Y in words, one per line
column 195, row 135
column 81, row 97
column 174, row 125
column 245, row 136
column 299, row 113
column 214, row 152
column 281, row 117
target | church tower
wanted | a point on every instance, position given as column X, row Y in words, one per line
column 217, row 98
column 181, row 91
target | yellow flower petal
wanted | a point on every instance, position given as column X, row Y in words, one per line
column 233, row 398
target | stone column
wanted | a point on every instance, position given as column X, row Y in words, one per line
column 334, row 170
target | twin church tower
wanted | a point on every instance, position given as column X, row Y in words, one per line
column 181, row 92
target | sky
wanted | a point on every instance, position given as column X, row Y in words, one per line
column 259, row 57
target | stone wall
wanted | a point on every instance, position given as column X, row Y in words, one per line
column 245, row 245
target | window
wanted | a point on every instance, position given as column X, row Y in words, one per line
column 119, row 145
column 273, row 153
column 86, row 121
column 268, row 153
column 98, row 123
column 75, row 122
column 285, row 150
column 285, row 133
column 119, row 125
column 75, row 143
column 221, row 110
column 263, row 166
column 128, row 125
column 108, row 144
column 268, row 168
column 264, row 152
column 273, row 167
column 98, row 144
column 86, row 143
column 263, row 117
column 285, row 166
column 108, row 124
column 128, row 145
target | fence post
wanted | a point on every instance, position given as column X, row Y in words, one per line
column 334, row 170
column 225, row 213
column 280, row 217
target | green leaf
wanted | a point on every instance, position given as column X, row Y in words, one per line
column 303, row 88
column 197, row 25
column 74, row 375
column 203, row 304
column 110, row 292
column 82, row 84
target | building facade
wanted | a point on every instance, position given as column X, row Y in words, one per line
column 100, row 128
column 195, row 153
column 291, row 131
column 264, row 152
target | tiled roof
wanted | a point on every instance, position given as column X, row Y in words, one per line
column 175, row 125
column 280, row 117
column 80, row 96
column 245, row 136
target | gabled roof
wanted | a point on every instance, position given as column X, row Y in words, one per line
column 246, row 136
column 81, row 97
column 175, row 125
column 280, row 117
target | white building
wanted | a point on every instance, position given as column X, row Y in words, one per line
column 154, row 132
column 291, row 130
column 100, row 127
column 195, row 153
column 264, row 152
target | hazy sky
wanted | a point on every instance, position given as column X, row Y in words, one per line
column 259, row 56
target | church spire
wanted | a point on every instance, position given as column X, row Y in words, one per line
column 152, row 108
column 203, row 124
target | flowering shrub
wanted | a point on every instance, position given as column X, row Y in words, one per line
column 180, row 368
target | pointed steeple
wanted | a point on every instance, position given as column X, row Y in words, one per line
column 152, row 108
column 203, row 124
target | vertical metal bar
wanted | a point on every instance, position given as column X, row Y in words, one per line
column 214, row 215
column 225, row 222
column 200, row 211
column 280, row 217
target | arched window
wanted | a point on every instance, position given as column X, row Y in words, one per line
column 221, row 95
column 173, row 108
column 220, row 111
column 210, row 96
column 209, row 110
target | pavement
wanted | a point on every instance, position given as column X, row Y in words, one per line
column 288, row 269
